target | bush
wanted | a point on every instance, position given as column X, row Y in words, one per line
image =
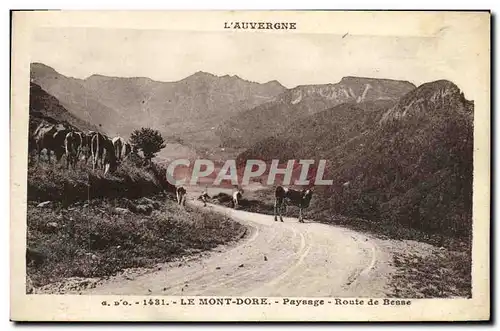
column 148, row 141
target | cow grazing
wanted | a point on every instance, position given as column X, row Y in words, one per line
column 118, row 144
column 103, row 151
column 181, row 195
column 86, row 147
column 283, row 195
column 127, row 149
column 72, row 144
column 79, row 138
column 204, row 198
column 51, row 138
column 237, row 195
column 42, row 136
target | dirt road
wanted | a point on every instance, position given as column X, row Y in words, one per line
column 274, row 259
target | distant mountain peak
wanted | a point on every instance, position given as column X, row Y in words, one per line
column 99, row 77
column 442, row 83
column 41, row 65
column 210, row 75
column 231, row 76
column 42, row 68
column 96, row 76
column 362, row 79
column 275, row 83
column 429, row 98
column 202, row 74
column 348, row 78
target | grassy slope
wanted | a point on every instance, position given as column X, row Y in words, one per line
column 93, row 240
column 55, row 182
column 82, row 234
column 441, row 274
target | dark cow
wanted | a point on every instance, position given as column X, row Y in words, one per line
column 79, row 137
column 283, row 195
column 51, row 138
column 118, row 144
column 127, row 149
column 181, row 195
column 86, row 147
column 72, row 144
column 204, row 198
column 103, row 152
column 122, row 148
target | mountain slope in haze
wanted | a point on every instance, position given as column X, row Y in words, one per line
column 273, row 117
column 45, row 107
column 189, row 108
column 74, row 97
column 409, row 165
column 317, row 135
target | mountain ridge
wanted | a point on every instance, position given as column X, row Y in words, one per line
column 122, row 104
column 271, row 118
column 194, row 75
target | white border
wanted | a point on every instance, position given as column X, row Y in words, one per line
column 145, row 4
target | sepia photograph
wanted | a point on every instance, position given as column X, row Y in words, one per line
column 265, row 163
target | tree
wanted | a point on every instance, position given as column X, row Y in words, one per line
column 147, row 140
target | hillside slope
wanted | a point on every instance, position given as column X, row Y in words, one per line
column 320, row 134
column 410, row 165
column 274, row 117
column 72, row 95
column 55, row 182
column 45, row 107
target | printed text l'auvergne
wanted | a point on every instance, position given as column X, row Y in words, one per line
column 260, row 25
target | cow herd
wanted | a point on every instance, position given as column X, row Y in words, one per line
column 181, row 192
column 104, row 152
column 283, row 196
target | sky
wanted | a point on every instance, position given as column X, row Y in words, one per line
column 291, row 59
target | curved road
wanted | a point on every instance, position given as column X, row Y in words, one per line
column 274, row 259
